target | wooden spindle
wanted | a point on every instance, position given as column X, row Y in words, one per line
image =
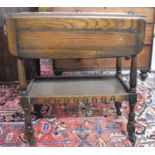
column 37, row 67
column 29, row 131
column 133, row 74
column 118, row 66
column 132, row 100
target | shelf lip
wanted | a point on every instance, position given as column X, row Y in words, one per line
column 102, row 88
column 75, row 77
column 80, row 96
column 113, row 15
column 71, row 99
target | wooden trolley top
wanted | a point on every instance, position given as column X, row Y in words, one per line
column 75, row 35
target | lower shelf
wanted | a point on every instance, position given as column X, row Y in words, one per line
column 78, row 88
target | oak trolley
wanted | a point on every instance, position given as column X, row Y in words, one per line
column 76, row 35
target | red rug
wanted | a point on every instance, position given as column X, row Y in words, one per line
column 70, row 127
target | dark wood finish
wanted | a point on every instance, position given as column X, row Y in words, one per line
column 118, row 105
column 29, row 131
column 133, row 74
column 99, row 63
column 76, row 86
column 143, row 74
column 8, row 65
column 70, row 31
column 61, row 33
column 54, row 70
column 37, row 67
column 73, row 65
column 132, row 100
column 149, row 34
column 2, row 55
column 118, row 66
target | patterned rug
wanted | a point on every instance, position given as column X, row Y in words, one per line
column 97, row 126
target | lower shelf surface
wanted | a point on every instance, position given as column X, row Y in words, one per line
column 77, row 87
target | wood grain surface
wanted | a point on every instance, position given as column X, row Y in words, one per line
column 146, row 11
column 76, row 35
column 144, row 58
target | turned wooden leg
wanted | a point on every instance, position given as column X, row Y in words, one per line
column 118, row 66
column 54, row 69
column 118, row 73
column 37, row 110
column 132, row 100
column 58, row 73
column 37, row 67
column 24, row 101
column 29, row 132
column 131, row 119
column 143, row 74
column 118, row 106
